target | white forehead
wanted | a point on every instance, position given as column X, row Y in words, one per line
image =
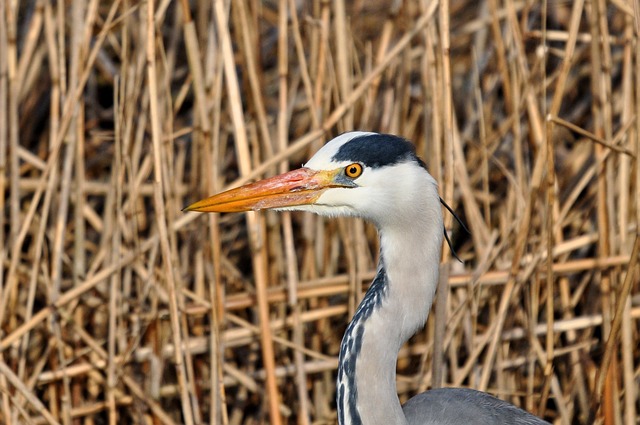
column 322, row 160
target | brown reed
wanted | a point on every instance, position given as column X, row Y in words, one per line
column 117, row 307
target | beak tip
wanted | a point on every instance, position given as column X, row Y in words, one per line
column 192, row 207
column 203, row 207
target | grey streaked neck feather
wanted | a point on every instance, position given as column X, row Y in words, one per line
column 351, row 347
column 394, row 307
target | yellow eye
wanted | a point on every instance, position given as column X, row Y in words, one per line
column 353, row 171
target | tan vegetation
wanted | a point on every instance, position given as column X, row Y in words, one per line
column 116, row 307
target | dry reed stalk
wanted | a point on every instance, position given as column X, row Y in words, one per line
column 159, row 206
column 254, row 224
column 287, row 227
column 116, row 307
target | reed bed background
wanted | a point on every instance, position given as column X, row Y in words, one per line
column 116, row 307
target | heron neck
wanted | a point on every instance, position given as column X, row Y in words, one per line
column 394, row 308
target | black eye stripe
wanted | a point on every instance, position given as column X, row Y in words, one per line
column 376, row 150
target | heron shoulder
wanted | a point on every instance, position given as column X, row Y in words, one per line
column 445, row 406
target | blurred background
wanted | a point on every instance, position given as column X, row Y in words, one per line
column 116, row 307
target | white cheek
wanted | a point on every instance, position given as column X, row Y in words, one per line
column 363, row 201
column 395, row 193
column 337, row 197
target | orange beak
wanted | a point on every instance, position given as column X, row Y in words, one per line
column 298, row 187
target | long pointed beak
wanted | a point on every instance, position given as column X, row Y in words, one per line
column 298, row 187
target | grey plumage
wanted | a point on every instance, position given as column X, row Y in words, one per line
column 454, row 406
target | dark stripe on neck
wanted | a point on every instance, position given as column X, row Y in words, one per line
column 350, row 349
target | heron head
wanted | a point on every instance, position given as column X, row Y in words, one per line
column 374, row 176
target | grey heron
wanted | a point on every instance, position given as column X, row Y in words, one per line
column 380, row 178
